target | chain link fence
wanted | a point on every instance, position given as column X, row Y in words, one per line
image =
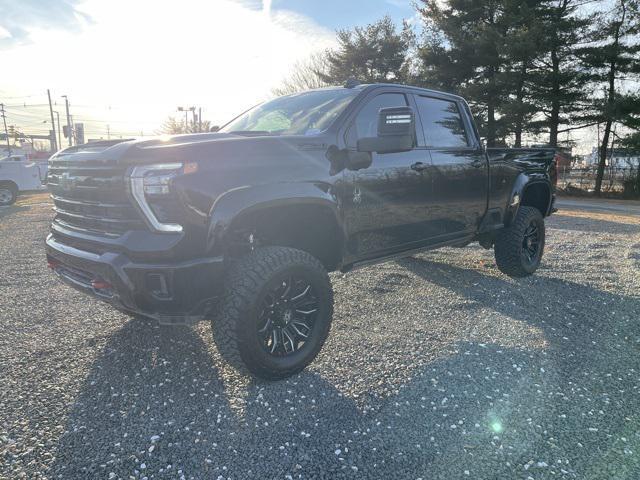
column 617, row 181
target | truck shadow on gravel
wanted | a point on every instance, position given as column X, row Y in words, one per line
column 590, row 364
column 554, row 305
column 147, row 381
column 156, row 403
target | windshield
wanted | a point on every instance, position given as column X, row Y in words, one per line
column 306, row 113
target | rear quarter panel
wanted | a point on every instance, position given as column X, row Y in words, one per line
column 511, row 170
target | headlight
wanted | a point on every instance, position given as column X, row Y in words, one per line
column 157, row 184
column 155, row 181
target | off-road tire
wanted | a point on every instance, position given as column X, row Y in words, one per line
column 234, row 325
column 9, row 194
column 509, row 244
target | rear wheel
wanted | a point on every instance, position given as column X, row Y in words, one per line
column 519, row 247
column 276, row 313
column 8, row 194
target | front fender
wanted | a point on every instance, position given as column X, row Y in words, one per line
column 237, row 202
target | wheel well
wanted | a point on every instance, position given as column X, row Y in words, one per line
column 311, row 228
column 10, row 184
column 537, row 195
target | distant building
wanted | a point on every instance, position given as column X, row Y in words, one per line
column 619, row 157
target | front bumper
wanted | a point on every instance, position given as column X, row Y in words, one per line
column 177, row 293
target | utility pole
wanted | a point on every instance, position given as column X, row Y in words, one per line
column 6, row 132
column 200, row 120
column 59, row 135
column 69, row 130
column 108, row 132
column 53, row 124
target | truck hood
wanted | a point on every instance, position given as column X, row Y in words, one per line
column 242, row 150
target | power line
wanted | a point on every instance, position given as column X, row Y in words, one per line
column 36, row 117
column 44, row 113
column 24, row 105
column 98, row 120
column 31, row 124
column 20, row 96
column 30, row 119
column 25, row 114
column 94, row 106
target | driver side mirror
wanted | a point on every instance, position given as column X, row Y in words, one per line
column 396, row 132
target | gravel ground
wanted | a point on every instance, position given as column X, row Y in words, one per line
column 438, row 366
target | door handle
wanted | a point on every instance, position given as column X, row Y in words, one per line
column 419, row 166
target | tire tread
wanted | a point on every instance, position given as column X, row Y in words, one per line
column 244, row 281
column 508, row 243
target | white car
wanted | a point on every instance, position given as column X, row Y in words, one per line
column 17, row 175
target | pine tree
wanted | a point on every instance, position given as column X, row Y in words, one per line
column 522, row 44
column 375, row 53
column 559, row 85
column 464, row 52
column 612, row 58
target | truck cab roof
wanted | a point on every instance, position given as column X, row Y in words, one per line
column 366, row 87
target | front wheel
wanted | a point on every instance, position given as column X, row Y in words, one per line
column 519, row 247
column 276, row 313
column 8, row 195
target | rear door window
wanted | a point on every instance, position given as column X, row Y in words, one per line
column 442, row 123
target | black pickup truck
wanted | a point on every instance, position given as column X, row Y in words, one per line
column 242, row 225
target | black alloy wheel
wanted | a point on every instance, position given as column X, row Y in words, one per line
column 519, row 247
column 276, row 312
column 288, row 314
column 531, row 243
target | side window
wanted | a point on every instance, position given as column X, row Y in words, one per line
column 442, row 123
column 366, row 122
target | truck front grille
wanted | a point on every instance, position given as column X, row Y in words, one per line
column 91, row 197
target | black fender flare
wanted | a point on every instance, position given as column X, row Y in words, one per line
column 237, row 202
column 523, row 181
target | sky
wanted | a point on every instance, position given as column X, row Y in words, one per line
column 127, row 65
column 130, row 64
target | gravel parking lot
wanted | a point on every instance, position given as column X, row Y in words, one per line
column 437, row 366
